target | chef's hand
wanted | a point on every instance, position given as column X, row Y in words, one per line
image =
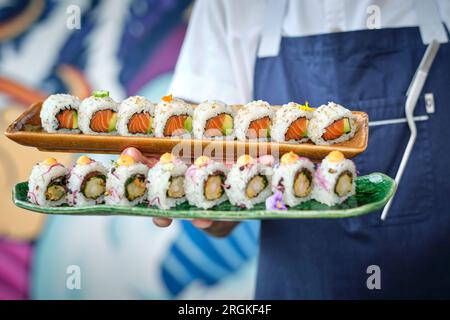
column 214, row 228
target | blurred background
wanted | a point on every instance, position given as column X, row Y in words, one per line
column 128, row 47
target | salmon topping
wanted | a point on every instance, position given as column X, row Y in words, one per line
column 336, row 129
column 298, row 129
column 101, row 119
column 140, row 123
column 175, row 126
column 66, row 119
column 259, row 128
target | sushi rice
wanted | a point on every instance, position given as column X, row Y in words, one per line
column 86, row 183
column 334, row 179
column 55, row 104
column 285, row 116
column 166, row 182
column 206, row 111
column 47, row 180
column 326, row 115
column 294, row 178
column 252, row 111
column 134, row 106
column 246, row 171
column 126, row 182
column 204, row 183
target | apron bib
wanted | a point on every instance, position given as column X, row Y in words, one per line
column 367, row 70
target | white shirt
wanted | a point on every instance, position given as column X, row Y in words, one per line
column 219, row 52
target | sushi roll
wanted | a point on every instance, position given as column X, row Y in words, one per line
column 166, row 182
column 213, row 120
column 293, row 177
column 135, row 117
column 173, row 118
column 249, row 181
column 59, row 113
column 334, row 180
column 47, row 183
column 331, row 123
column 204, row 183
column 86, row 183
column 126, row 182
column 291, row 123
column 253, row 121
column 98, row 114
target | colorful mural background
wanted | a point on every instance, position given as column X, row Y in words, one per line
column 127, row 47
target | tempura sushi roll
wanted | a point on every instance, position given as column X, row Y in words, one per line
column 213, row 119
column 59, row 113
column 135, row 117
column 204, row 183
column 173, row 118
column 126, row 182
column 249, row 180
column 334, row 181
column 98, row 114
column 331, row 123
column 293, row 177
column 47, row 183
column 166, row 182
column 291, row 123
column 253, row 121
column 86, row 183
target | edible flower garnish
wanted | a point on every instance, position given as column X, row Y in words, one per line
column 167, row 98
column 100, row 93
column 275, row 202
column 305, row 107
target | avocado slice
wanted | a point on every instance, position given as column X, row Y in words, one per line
column 227, row 125
column 75, row 120
column 112, row 122
column 347, row 127
column 268, row 133
column 150, row 126
column 188, row 124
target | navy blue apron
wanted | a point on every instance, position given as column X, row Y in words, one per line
column 367, row 70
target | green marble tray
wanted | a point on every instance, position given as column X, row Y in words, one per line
column 372, row 193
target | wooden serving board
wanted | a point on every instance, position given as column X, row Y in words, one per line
column 27, row 130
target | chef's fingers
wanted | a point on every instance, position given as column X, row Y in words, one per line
column 162, row 222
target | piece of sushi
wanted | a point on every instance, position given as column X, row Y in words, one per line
column 59, row 113
column 135, row 117
column 98, row 114
column 294, row 178
column 249, row 181
column 126, row 182
column 173, row 118
column 253, row 121
column 204, row 183
column 331, row 123
column 334, row 180
column 213, row 119
column 86, row 183
column 166, row 182
column 47, row 183
column 291, row 123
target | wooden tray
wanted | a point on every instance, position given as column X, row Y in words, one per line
column 27, row 131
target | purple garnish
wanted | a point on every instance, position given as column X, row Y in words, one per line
column 275, row 202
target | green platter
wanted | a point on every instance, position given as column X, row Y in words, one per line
column 372, row 193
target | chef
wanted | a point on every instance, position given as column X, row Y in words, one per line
column 363, row 55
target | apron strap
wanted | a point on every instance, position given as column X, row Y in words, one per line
column 430, row 22
column 269, row 45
